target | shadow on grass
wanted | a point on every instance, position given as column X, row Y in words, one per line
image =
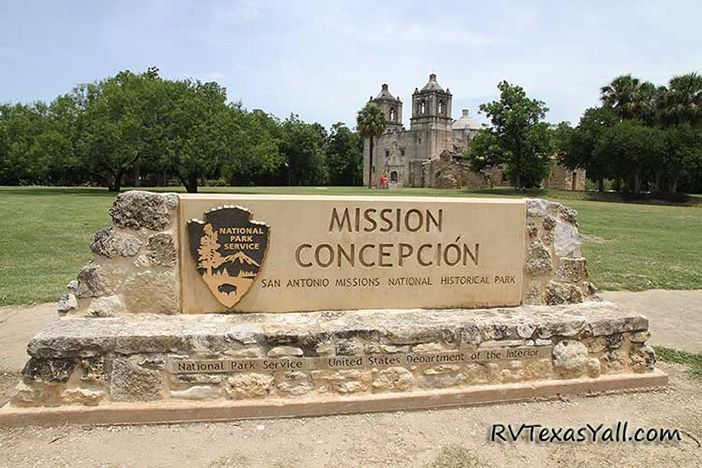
column 673, row 199
column 43, row 191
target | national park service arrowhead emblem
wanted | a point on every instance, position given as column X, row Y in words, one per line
column 229, row 249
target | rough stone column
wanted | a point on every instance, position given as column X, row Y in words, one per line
column 135, row 267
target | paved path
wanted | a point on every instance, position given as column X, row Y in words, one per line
column 675, row 317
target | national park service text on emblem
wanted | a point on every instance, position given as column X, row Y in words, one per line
column 229, row 249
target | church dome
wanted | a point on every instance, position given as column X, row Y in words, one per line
column 384, row 93
column 466, row 122
column 432, row 85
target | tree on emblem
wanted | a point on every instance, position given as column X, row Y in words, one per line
column 208, row 252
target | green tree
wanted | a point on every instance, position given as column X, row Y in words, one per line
column 192, row 125
column 370, row 123
column 681, row 101
column 683, row 155
column 21, row 125
column 253, row 156
column 519, row 140
column 344, row 156
column 115, row 125
column 302, row 147
column 581, row 147
column 630, row 98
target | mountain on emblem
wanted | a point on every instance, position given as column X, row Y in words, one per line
column 228, row 248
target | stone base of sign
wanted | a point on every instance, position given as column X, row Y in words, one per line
column 178, row 411
column 209, row 367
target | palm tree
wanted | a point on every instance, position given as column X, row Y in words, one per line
column 630, row 98
column 370, row 123
column 681, row 103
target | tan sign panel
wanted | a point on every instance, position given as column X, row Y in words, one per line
column 267, row 253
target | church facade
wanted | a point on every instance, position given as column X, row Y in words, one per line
column 428, row 154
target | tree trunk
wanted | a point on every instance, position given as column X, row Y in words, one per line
column 191, row 185
column 116, row 184
column 617, row 185
column 657, row 186
column 673, row 184
column 637, row 179
column 370, row 164
column 518, row 180
column 600, row 184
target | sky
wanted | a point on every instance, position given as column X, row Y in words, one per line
column 323, row 59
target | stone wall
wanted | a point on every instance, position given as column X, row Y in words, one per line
column 562, row 178
column 87, row 361
column 555, row 271
column 135, row 265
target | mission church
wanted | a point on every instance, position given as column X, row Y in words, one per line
column 430, row 153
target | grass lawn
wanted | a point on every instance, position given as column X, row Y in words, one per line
column 45, row 235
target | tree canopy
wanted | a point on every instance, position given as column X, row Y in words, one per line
column 519, row 140
column 143, row 129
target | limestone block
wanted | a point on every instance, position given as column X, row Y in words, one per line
column 526, row 330
column 249, row 385
column 343, row 381
column 82, row 396
column 393, row 379
column 532, row 229
column 280, row 351
column 199, row 379
column 131, row 382
column 614, row 361
column 566, row 240
column 640, row 337
column 248, row 352
column 471, row 334
column 572, row 270
column 539, row 369
column 614, row 341
column 106, row 306
column 441, row 380
column 549, row 222
column 93, row 281
column 111, row 243
column 537, row 207
column 151, row 291
column 563, row 293
column 67, row 303
column 428, row 348
column 48, row 369
column 92, row 369
column 198, row 392
column 35, row 394
column 570, row 358
column 295, row 383
column 594, row 368
column 136, row 210
column 538, row 258
column 161, row 250
column 475, row 374
column 642, row 358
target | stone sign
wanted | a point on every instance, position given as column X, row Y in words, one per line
column 390, row 303
column 333, row 253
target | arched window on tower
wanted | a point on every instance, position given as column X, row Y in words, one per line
column 423, row 107
column 392, row 114
column 441, row 108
